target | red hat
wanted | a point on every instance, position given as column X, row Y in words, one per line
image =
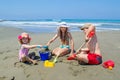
column 24, row 35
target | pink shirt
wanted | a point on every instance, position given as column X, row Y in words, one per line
column 23, row 51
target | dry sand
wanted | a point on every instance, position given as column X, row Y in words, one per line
column 63, row 70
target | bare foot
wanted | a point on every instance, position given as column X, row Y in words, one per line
column 35, row 62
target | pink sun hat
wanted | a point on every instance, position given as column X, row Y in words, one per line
column 24, row 35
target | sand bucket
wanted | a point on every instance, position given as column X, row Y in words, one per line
column 49, row 64
column 44, row 55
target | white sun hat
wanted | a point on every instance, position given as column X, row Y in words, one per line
column 63, row 24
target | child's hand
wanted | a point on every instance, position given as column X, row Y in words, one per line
column 38, row 46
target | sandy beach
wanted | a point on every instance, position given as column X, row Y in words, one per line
column 64, row 70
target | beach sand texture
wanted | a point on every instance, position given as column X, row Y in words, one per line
column 64, row 70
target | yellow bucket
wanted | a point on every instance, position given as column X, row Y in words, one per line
column 48, row 64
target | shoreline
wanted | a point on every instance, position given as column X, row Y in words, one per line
column 44, row 32
column 63, row 70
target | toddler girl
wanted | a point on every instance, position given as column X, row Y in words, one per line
column 24, row 40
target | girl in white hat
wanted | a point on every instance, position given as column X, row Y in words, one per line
column 67, row 42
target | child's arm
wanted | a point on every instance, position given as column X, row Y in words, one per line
column 32, row 46
column 89, row 33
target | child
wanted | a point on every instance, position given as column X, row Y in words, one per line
column 64, row 36
column 91, row 54
column 24, row 40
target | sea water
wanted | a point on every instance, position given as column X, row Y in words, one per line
column 50, row 25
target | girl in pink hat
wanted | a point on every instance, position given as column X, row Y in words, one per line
column 24, row 40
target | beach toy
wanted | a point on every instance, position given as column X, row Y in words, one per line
column 55, row 60
column 108, row 64
column 45, row 47
column 72, row 57
column 49, row 64
column 44, row 55
column 91, row 34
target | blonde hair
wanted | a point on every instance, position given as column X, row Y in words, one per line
column 86, row 26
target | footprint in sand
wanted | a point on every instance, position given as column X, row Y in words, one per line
column 76, row 72
column 70, row 68
column 8, row 51
column 28, row 75
column 2, row 78
column 5, row 58
column 17, row 49
column 1, row 52
column 74, row 63
column 84, row 69
column 18, row 65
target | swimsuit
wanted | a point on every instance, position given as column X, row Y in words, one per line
column 65, row 46
column 23, row 51
column 94, row 58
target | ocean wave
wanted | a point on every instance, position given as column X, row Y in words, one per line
column 52, row 24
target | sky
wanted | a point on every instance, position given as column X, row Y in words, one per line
column 59, row 9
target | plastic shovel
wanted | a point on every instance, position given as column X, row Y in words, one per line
column 55, row 60
column 73, row 56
